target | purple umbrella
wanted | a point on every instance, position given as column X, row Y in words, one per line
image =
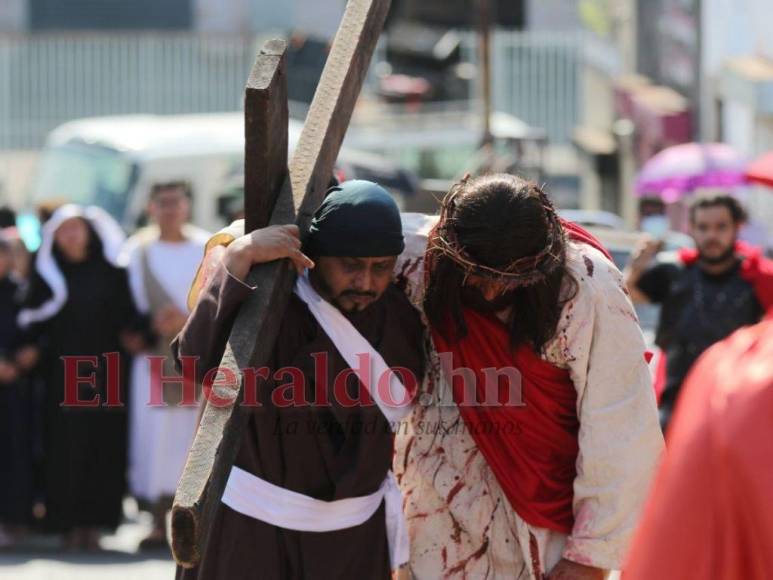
column 677, row 171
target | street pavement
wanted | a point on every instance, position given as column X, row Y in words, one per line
column 40, row 558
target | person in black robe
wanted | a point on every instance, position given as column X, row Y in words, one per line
column 16, row 410
column 325, row 452
column 79, row 304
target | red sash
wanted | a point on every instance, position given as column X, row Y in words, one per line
column 532, row 449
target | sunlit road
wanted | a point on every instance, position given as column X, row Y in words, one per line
column 40, row 558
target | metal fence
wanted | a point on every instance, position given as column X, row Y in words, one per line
column 48, row 79
column 538, row 80
column 536, row 77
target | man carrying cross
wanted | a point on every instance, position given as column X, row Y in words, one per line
column 311, row 494
column 558, row 495
column 546, row 486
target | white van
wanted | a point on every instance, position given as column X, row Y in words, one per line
column 113, row 161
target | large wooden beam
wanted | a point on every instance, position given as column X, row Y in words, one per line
column 265, row 171
column 256, row 327
column 265, row 134
column 484, row 66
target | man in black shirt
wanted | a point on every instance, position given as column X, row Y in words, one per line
column 704, row 297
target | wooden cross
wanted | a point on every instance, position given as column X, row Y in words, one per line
column 273, row 194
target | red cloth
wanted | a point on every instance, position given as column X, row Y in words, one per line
column 709, row 515
column 755, row 269
column 580, row 234
column 532, row 449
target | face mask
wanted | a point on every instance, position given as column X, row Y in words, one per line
column 655, row 225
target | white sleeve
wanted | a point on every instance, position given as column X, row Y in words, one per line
column 620, row 441
column 409, row 270
column 131, row 256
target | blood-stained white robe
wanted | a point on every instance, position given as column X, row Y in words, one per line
column 460, row 522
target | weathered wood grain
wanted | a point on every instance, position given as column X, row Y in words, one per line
column 255, row 329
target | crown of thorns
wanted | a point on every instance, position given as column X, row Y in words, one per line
column 524, row 271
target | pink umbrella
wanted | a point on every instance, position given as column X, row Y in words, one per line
column 679, row 170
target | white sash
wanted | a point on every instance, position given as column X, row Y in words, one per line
column 264, row 501
column 350, row 343
column 257, row 498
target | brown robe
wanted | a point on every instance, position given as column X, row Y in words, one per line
column 326, row 452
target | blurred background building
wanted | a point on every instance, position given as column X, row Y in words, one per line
column 582, row 92
column 100, row 99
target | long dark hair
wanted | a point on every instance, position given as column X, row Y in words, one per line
column 498, row 219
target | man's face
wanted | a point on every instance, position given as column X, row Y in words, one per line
column 169, row 208
column 486, row 295
column 353, row 284
column 72, row 238
column 714, row 232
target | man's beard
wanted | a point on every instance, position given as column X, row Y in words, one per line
column 354, row 294
column 327, row 292
column 472, row 298
column 713, row 260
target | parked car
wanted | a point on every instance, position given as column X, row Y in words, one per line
column 593, row 218
column 113, row 161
